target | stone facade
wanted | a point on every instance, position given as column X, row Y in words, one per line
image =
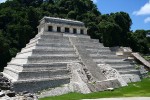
column 51, row 24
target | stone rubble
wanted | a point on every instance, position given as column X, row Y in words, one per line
column 7, row 93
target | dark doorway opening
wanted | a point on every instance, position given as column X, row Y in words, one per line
column 50, row 28
column 58, row 29
column 67, row 30
column 81, row 31
column 74, row 31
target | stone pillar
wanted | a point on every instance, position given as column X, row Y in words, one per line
column 46, row 27
column 85, row 31
column 78, row 30
column 62, row 29
column 54, row 28
column 71, row 30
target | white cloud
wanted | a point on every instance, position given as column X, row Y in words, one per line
column 2, row 1
column 147, row 20
column 145, row 10
column 95, row 1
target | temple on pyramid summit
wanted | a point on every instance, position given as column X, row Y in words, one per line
column 63, row 55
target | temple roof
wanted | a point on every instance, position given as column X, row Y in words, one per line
column 63, row 21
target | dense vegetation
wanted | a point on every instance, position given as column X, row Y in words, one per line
column 19, row 19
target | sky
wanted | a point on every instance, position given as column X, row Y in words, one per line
column 139, row 10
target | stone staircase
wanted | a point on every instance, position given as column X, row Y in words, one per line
column 42, row 63
column 103, row 55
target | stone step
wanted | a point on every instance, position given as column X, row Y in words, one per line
column 90, row 43
column 24, row 54
column 52, row 37
column 42, row 52
column 48, row 45
column 33, row 41
column 49, row 66
column 130, row 72
column 40, row 84
column 28, row 75
column 26, row 49
column 55, row 55
column 35, row 38
column 55, row 48
column 46, row 51
column 11, row 74
column 38, row 36
column 124, row 69
column 15, row 66
column 114, row 62
column 94, row 46
column 38, row 66
column 19, row 60
column 87, row 41
column 54, row 44
column 103, row 49
column 48, row 42
column 49, row 51
column 46, row 34
column 48, row 59
column 108, row 60
column 107, row 53
column 48, row 48
column 67, row 45
column 64, row 41
column 31, row 44
column 119, row 63
column 83, row 36
column 97, row 56
column 130, row 67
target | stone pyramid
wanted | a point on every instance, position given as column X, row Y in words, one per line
column 43, row 63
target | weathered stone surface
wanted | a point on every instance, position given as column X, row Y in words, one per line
column 7, row 93
column 79, row 79
column 56, row 91
column 111, row 73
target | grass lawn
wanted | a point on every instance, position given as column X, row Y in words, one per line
column 138, row 89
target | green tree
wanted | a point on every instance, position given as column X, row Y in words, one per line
column 138, row 41
column 110, row 33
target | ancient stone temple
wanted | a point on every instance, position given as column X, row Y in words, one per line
column 62, row 54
